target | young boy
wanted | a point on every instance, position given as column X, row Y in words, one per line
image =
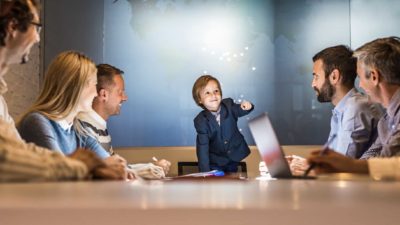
column 219, row 144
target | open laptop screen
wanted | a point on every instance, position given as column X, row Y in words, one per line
column 269, row 147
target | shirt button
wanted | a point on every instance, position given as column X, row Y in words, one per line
column 229, row 152
column 225, row 142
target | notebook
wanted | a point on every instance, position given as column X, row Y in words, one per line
column 270, row 149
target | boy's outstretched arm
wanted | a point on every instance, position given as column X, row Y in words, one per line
column 242, row 109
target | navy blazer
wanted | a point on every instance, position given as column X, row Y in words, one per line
column 219, row 144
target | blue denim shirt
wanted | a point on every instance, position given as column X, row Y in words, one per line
column 354, row 121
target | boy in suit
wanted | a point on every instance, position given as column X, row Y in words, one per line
column 219, row 143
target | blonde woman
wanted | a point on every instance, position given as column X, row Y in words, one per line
column 69, row 88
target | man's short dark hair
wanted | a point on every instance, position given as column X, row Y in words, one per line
column 339, row 57
column 105, row 75
column 18, row 11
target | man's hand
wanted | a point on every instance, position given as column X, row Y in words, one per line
column 117, row 166
column 333, row 162
column 111, row 171
column 114, row 168
column 115, row 159
column 88, row 157
column 165, row 164
column 298, row 165
column 246, row 105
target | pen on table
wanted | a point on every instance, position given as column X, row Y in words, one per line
column 323, row 152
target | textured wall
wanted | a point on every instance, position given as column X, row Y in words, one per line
column 23, row 84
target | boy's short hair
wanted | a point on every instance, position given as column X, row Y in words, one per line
column 201, row 83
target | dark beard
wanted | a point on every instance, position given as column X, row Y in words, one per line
column 326, row 93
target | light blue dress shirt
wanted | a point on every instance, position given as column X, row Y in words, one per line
column 354, row 121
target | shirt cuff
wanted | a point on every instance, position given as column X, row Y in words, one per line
column 384, row 168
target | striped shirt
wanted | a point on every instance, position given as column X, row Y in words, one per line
column 96, row 126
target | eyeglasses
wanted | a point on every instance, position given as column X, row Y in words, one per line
column 38, row 26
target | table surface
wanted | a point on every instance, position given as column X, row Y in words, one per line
column 202, row 201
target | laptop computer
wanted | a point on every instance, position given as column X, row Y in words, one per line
column 270, row 149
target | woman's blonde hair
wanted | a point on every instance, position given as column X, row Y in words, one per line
column 66, row 77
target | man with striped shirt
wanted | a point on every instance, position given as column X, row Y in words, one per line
column 110, row 96
column 20, row 161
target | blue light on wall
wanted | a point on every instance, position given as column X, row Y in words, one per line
column 259, row 50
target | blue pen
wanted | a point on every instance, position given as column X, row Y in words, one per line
column 323, row 152
column 219, row 173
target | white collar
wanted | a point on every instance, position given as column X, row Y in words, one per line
column 64, row 125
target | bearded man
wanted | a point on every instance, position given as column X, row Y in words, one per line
column 354, row 117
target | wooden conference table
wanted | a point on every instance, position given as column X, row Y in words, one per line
column 213, row 201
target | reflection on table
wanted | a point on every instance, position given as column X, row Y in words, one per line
column 210, row 201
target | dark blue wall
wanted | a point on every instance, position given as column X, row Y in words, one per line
column 260, row 50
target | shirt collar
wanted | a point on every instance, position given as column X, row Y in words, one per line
column 217, row 112
column 394, row 104
column 64, row 125
column 93, row 117
column 340, row 107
